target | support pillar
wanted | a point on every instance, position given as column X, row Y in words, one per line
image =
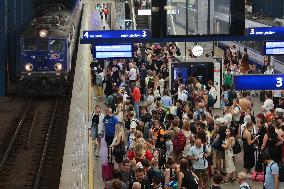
column 202, row 17
column 119, row 14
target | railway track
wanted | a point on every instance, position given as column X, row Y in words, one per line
column 33, row 157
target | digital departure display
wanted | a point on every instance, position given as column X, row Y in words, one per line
column 258, row 82
column 113, row 54
column 113, row 51
column 274, row 48
column 117, row 48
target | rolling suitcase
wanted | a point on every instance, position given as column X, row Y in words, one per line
column 107, row 168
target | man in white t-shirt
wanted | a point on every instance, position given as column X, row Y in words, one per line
column 182, row 93
column 132, row 73
column 268, row 103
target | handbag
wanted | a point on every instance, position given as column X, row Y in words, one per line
column 119, row 149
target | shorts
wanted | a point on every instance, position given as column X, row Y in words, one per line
column 220, row 154
column 201, row 173
column 94, row 133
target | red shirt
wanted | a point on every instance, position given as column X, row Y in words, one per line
column 148, row 155
column 136, row 94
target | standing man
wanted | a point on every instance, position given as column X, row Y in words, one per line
column 132, row 73
column 272, row 172
column 109, row 122
column 198, row 154
column 136, row 94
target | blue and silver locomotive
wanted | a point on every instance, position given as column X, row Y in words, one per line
column 47, row 46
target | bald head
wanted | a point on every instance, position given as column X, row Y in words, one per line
column 136, row 185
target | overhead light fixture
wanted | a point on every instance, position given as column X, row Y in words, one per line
column 43, row 33
column 197, row 50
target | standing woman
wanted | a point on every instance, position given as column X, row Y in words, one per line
column 228, row 146
column 184, row 175
column 213, row 93
column 270, row 143
column 118, row 142
column 248, row 142
column 120, row 109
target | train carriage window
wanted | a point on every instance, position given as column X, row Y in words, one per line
column 42, row 45
column 29, row 45
column 56, row 45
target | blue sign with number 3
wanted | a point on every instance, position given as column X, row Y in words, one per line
column 258, row 82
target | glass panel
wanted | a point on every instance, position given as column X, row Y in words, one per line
column 29, row 45
column 57, row 45
column 221, row 21
column 42, row 45
column 198, row 17
column 176, row 17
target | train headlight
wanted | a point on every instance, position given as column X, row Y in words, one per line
column 43, row 33
column 58, row 67
column 29, row 67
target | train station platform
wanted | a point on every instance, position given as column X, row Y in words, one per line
column 75, row 168
column 80, row 168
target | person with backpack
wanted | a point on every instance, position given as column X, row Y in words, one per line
column 109, row 122
column 99, row 83
column 198, row 154
column 242, row 176
column 271, row 180
column 224, row 96
column 186, row 178
column 200, row 111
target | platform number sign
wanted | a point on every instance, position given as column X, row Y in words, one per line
column 279, row 82
column 86, row 34
column 258, row 82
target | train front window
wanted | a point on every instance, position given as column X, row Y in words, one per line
column 56, row 45
column 42, row 45
column 29, row 45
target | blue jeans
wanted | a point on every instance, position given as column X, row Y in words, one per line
column 136, row 109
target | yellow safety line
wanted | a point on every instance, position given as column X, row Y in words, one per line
column 90, row 143
column 91, row 162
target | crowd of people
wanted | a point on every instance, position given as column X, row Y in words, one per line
column 160, row 137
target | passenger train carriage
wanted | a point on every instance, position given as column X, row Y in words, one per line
column 47, row 46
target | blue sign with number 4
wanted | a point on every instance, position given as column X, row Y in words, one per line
column 258, row 82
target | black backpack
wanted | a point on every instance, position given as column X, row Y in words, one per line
column 189, row 181
column 237, row 147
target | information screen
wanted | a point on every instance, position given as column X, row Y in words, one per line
column 116, row 48
column 113, row 51
column 113, row 54
column 274, row 48
column 258, row 82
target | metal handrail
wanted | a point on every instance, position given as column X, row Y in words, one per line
column 14, row 137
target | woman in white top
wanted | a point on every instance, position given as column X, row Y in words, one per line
column 150, row 101
column 228, row 146
column 120, row 109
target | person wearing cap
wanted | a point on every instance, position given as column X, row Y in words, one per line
column 241, row 178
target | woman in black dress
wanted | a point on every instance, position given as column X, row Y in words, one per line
column 271, row 141
column 248, row 144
